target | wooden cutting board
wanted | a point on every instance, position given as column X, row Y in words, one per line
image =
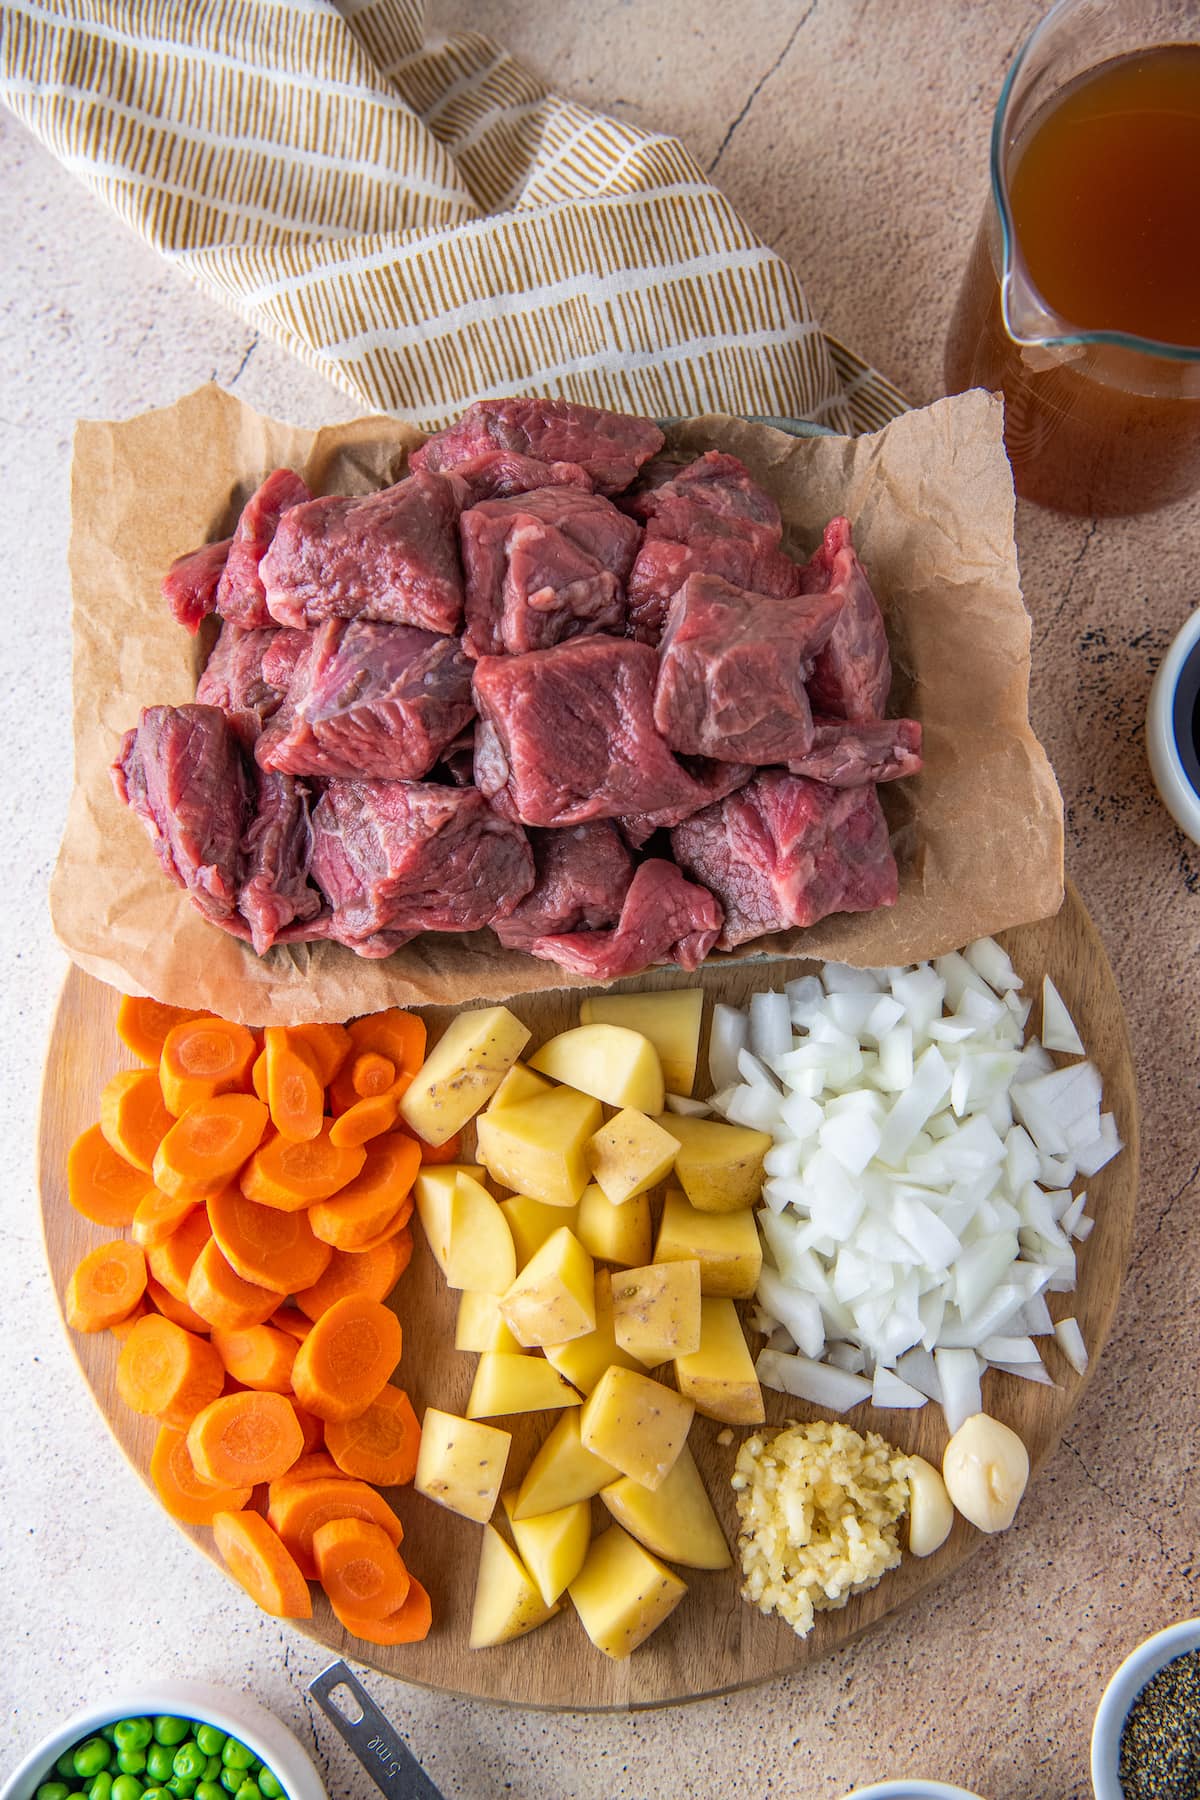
column 714, row 1641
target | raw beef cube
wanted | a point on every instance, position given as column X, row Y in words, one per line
column 583, row 874
column 847, row 755
column 853, row 674
column 542, row 567
column 276, row 853
column 240, row 596
column 394, row 858
column 665, row 918
column 732, row 669
column 714, row 490
column 713, row 781
column 567, row 734
column 189, row 586
column 611, row 446
column 234, row 680
column 390, row 556
column 496, row 474
column 371, row 700
column 662, row 566
column 181, row 771
column 284, row 654
column 785, row 851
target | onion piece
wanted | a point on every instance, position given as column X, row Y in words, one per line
column 823, row 1386
column 1070, row 1342
column 1058, row 1027
column 958, row 1374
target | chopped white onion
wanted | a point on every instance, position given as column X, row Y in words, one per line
column 1058, row 1027
column 958, row 1373
column 1070, row 1340
column 729, row 1033
column 831, row 1389
column 687, row 1108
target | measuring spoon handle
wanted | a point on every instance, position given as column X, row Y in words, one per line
column 389, row 1762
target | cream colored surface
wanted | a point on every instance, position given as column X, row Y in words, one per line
column 853, row 137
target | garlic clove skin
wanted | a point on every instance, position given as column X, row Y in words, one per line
column 986, row 1469
column 930, row 1512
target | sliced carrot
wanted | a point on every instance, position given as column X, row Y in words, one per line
column 143, row 1024
column 123, row 1327
column 168, row 1372
column 272, row 1249
column 202, row 1058
column 258, row 1076
column 206, row 1147
column 347, row 1358
column 450, row 1151
column 159, row 1216
column 381, row 1444
column 313, row 1465
column 400, row 1036
column 258, row 1561
column 294, row 1094
column 132, row 1116
column 290, row 1176
column 399, row 1235
column 359, row 1568
column 106, row 1286
column 313, row 1429
column 327, row 1047
column 361, row 1210
column 291, row 1320
column 372, row 1273
column 185, row 1496
column 258, row 1357
column 218, row 1294
column 170, row 1262
column 178, row 1311
column 366, row 1119
column 372, row 1074
column 407, row 1625
column 101, row 1185
column 245, row 1438
column 298, row 1509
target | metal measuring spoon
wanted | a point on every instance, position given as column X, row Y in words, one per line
column 390, row 1764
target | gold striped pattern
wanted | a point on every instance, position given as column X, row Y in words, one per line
column 425, row 224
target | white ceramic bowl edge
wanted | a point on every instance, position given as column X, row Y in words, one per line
column 1123, row 1690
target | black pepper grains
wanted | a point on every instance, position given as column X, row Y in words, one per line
column 1160, row 1745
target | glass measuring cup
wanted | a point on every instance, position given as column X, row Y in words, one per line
column 1096, row 421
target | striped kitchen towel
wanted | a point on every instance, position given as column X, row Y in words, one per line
column 424, row 223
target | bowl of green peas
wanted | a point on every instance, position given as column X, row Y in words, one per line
column 180, row 1741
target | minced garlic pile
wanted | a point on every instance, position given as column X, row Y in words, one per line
column 819, row 1508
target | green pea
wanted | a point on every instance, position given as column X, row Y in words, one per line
column 109, row 1731
column 269, row 1784
column 127, row 1787
column 231, row 1780
column 235, row 1754
column 66, row 1765
column 156, row 1793
column 210, row 1790
column 101, row 1788
column 249, row 1790
column 52, row 1790
column 132, row 1734
column 180, row 1785
column 212, row 1769
column 210, row 1738
column 92, row 1756
column 131, row 1762
column 160, row 1762
column 77, row 1795
column 170, row 1730
column 190, row 1762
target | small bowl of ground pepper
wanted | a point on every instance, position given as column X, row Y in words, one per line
column 1146, row 1739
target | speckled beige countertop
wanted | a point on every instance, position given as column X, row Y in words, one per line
column 852, row 133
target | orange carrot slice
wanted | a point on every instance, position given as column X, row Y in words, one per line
column 258, row 1076
column 132, row 1116
column 258, row 1561
column 408, row 1625
column 106, row 1286
column 159, row 1217
column 202, row 1058
column 244, row 1438
column 170, row 1262
column 168, row 1372
column 313, row 1465
column 123, row 1327
column 400, row 1036
column 450, row 1151
column 359, row 1568
column 347, row 1358
column 381, row 1444
column 326, row 1047
column 290, row 1176
column 143, row 1024
column 292, row 1320
column 101, row 1185
column 206, row 1147
column 298, row 1509
column 258, row 1357
column 294, row 1094
column 178, row 1311
column 361, row 1210
column 314, row 1433
column 398, row 1233
column 370, row 1272
column 185, row 1496
column 272, row 1249
column 366, row 1119
column 372, row 1074
column 218, row 1294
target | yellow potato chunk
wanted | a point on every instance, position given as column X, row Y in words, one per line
column 719, row 1377
column 461, row 1463
column 630, row 1155
column 554, row 1546
column 583, row 1360
column 676, row 1520
column 618, row 1066
column 617, row 1234
column 538, row 1147
column 561, row 1473
column 718, row 1166
column 479, row 1244
column 670, row 1019
column 656, row 1311
column 434, row 1190
column 532, row 1222
column 726, row 1245
column 509, row 1382
column 519, row 1084
column 636, row 1424
column 464, row 1068
column 479, row 1326
column 622, row 1593
column 507, row 1601
column 553, row 1299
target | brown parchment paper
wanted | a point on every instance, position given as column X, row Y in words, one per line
column 978, row 835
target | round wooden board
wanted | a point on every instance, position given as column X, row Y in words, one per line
column 714, row 1641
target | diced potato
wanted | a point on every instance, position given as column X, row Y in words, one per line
column 461, row 1463
column 479, row 1325
column 519, row 1084
column 512, row 1383
column 618, row 1066
column 583, row 1360
column 553, row 1299
column 538, row 1147
column 726, row 1245
column 554, row 1546
column 507, row 1601
column 433, row 1191
column 656, row 1311
column 636, row 1424
column 622, row 1593
column 464, row 1068
column 617, row 1234
column 676, row 1520
column 479, row 1248
column 670, row 1019
column 718, row 1166
column 532, row 1222
column 719, row 1377
column 630, row 1155
column 562, row 1472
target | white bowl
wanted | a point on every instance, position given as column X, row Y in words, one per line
column 260, row 1730
column 913, row 1789
column 1169, row 744
column 1123, row 1690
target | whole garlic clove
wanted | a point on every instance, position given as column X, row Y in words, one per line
column 985, row 1468
column 930, row 1513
